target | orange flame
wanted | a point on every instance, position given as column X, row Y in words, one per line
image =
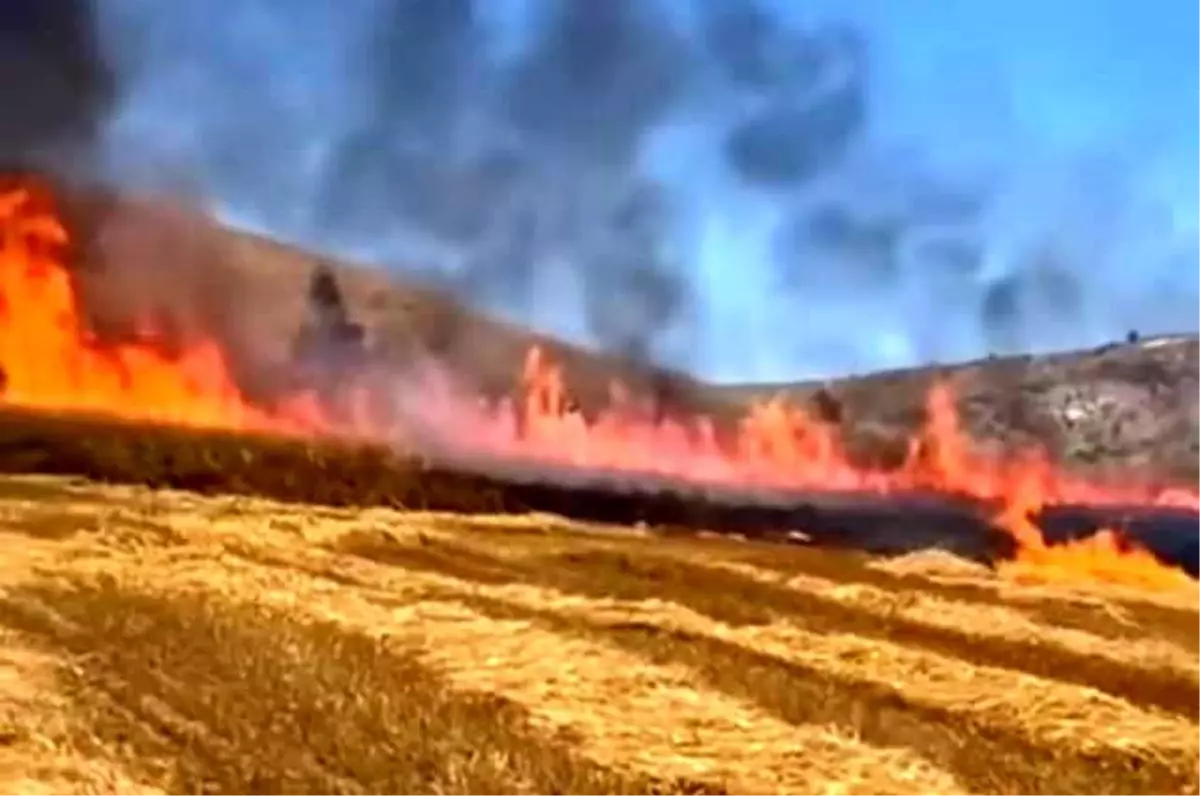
column 1103, row 557
column 50, row 361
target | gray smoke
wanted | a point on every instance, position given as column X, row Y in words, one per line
column 404, row 127
column 56, row 84
column 499, row 149
column 524, row 165
column 812, row 89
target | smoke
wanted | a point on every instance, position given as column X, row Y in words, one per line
column 525, row 168
column 566, row 162
column 56, row 86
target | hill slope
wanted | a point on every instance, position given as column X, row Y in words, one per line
column 1130, row 405
column 161, row 641
column 143, row 259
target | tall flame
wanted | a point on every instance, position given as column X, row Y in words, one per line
column 50, row 361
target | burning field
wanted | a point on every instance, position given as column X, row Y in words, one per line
column 159, row 373
column 363, row 584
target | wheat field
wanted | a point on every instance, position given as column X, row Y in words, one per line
column 158, row 641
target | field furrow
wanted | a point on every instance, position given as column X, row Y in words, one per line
column 163, row 641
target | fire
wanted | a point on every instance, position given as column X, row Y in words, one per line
column 1104, row 557
column 51, row 361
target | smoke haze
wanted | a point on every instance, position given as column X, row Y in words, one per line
column 58, row 86
column 745, row 189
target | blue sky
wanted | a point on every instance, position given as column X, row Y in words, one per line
column 1039, row 91
column 1081, row 115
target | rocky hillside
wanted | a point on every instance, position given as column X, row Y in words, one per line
column 1132, row 404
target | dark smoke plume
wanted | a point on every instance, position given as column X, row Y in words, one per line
column 598, row 78
column 816, row 108
column 513, row 151
column 57, row 89
column 511, row 162
column 495, row 174
column 524, row 168
column 748, row 46
column 56, row 86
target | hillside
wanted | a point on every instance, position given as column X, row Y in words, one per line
column 158, row 641
column 1130, row 406
column 141, row 257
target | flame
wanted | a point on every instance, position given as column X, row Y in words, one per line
column 1105, row 557
column 51, row 361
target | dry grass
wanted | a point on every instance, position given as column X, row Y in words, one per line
column 334, row 472
column 327, row 472
column 164, row 641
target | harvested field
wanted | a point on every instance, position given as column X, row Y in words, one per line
column 163, row 641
